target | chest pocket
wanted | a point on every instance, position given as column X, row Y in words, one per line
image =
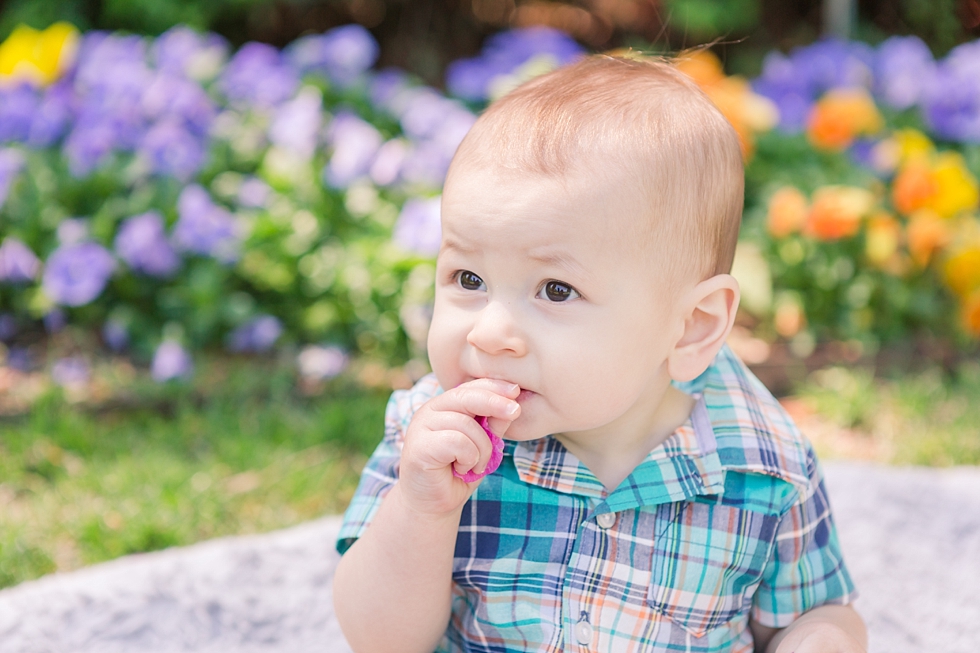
column 705, row 561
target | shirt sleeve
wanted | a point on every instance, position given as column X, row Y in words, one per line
column 381, row 471
column 806, row 569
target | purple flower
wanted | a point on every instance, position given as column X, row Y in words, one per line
column 257, row 74
column 142, row 243
column 319, row 363
column 76, row 274
column 387, row 166
column 54, row 320
column 904, row 67
column 257, row 335
column 20, row 358
column 418, row 228
column 176, row 98
column 951, row 105
column 52, row 117
column 170, row 361
column 424, row 112
column 172, row 150
column 73, row 370
column 296, row 123
column 342, row 54
column 254, row 193
column 115, row 335
column 18, row 105
column 355, row 143
column 11, row 163
column 470, row 79
column 790, row 92
column 8, row 327
column 385, row 86
column 18, row 264
column 182, row 51
column 796, row 81
column 111, row 79
column 502, row 53
column 87, row 146
column 205, row 228
column 427, row 164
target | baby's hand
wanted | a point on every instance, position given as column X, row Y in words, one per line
column 444, row 435
column 820, row 637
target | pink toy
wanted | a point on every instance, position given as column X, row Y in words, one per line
column 495, row 457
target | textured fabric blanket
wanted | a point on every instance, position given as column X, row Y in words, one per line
column 911, row 536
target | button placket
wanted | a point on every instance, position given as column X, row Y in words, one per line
column 583, row 630
column 606, row 520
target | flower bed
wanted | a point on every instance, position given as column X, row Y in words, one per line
column 172, row 195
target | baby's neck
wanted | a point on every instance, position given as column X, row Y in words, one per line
column 613, row 455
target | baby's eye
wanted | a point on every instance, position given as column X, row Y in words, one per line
column 468, row 280
column 558, row 291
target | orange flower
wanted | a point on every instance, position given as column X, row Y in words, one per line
column 926, row 233
column 881, row 241
column 789, row 318
column 914, row 187
column 747, row 112
column 840, row 116
column 700, row 65
column 963, row 271
column 787, row 212
column 970, row 314
column 837, row 211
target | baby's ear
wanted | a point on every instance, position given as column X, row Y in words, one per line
column 710, row 309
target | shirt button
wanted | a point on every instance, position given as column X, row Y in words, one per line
column 606, row 519
column 583, row 633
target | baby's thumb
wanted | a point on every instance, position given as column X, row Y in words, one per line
column 499, row 426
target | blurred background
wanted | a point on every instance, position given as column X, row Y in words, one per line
column 218, row 222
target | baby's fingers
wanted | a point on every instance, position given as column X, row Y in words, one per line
column 477, row 401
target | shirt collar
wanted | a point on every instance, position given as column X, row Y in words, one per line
column 736, row 425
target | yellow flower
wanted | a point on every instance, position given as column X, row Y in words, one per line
column 956, row 188
column 912, row 144
column 882, row 238
column 963, row 271
column 38, row 57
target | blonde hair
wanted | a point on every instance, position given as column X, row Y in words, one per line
column 667, row 138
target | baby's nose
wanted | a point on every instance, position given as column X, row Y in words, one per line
column 495, row 331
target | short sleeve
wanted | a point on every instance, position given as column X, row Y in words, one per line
column 381, row 470
column 806, row 568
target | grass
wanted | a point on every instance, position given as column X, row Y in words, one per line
column 238, row 454
column 243, row 451
column 923, row 418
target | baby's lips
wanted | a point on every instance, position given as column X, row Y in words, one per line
column 496, row 456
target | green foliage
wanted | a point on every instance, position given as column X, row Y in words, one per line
column 921, row 418
column 239, row 452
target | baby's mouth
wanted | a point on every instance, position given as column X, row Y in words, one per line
column 524, row 395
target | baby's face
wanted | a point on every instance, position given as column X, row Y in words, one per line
column 540, row 283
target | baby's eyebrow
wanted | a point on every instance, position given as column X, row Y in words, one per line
column 452, row 244
column 561, row 260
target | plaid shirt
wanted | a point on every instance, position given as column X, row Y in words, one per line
column 727, row 518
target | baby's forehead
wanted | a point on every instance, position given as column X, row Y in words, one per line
column 579, row 216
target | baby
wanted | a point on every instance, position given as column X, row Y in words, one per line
column 652, row 496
